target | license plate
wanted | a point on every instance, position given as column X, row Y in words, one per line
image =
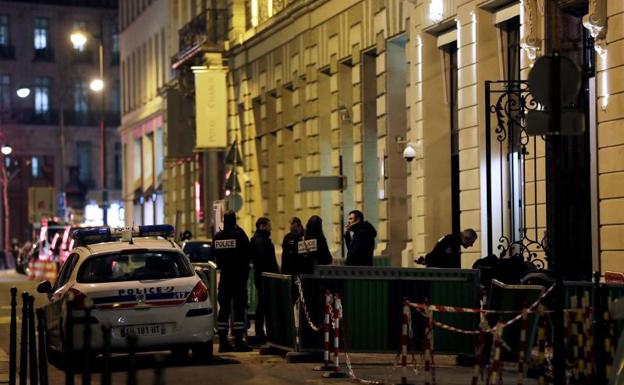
column 145, row 330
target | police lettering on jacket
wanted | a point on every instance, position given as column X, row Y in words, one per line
column 225, row 244
column 307, row 246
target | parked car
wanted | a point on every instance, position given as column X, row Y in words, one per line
column 139, row 282
column 197, row 250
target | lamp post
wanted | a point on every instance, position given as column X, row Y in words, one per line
column 6, row 150
column 79, row 39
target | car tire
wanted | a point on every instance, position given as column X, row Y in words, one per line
column 202, row 352
column 179, row 353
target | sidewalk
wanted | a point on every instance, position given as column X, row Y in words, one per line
column 384, row 368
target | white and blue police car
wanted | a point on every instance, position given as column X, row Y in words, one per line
column 136, row 281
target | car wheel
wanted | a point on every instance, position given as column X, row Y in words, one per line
column 179, row 354
column 202, row 352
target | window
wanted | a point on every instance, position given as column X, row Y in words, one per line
column 83, row 153
column 118, row 163
column 42, row 95
column 128, row 266
column 41, row 33
column 35, row 165
column 451, row 50
column 5, row 92
column 115, row 97
column 81, row 96
column 115, row 40
column 4, row 30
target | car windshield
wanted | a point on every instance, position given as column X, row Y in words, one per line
column 197, row 251
column 134, row 267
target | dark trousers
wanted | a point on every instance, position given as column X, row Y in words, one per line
column 260, row 310
column 232, row 297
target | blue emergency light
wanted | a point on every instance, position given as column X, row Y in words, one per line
column 106, row 234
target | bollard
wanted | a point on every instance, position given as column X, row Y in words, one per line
column 336, row 373
column 131, row 340
column 32, row 341
column 86, row 343
column 522, row 346
column 69, row 339
column 327, row 365
column 24, row 341
column 405, row 321
column 106, row 355
column 541, row 344
column 13, row 338
column 43, row 359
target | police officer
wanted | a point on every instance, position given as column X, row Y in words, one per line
column 231, row 250
column 263, row 258
column 447, row 252
column 312, row 250
column 289, row 246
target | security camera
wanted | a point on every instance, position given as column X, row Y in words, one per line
column 409, row 153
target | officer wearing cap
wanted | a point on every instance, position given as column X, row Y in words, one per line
column 231, row 250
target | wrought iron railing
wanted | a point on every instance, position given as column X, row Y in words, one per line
column 509, row 102
column 210, row 26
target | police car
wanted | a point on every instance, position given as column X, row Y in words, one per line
column 137, row 282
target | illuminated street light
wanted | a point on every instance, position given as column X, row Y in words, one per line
column 78, row 39
column 23, row 92
column 6, row 149
column 97, row 85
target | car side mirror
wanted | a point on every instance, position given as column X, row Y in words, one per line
column 44, row 287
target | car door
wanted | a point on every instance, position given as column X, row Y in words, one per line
column 54, row 309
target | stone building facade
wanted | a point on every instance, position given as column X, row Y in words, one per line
column 342, row 87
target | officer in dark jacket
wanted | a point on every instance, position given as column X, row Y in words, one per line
column 361, row 245
column 289, row 246
column 447, row 252
column 263, row 258
column 312, row 250
column 231, row 250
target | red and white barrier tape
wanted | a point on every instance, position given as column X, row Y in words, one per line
column 458, row 309
column 326, row 327
column 515, row 319
column 305, row 307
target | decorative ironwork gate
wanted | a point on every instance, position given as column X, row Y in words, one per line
column 508, row 150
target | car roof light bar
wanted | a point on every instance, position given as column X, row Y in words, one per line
column 107, row 234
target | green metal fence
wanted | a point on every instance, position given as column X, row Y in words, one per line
column 372, row 306
column 280, row 321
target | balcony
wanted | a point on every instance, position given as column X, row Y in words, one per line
column 205, row 32
column 7, row 51
column 44, row 54
column 52, row 117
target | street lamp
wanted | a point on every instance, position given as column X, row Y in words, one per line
column 79, row 39
column 97, row 85
column 6, row 150
column 23, row 92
